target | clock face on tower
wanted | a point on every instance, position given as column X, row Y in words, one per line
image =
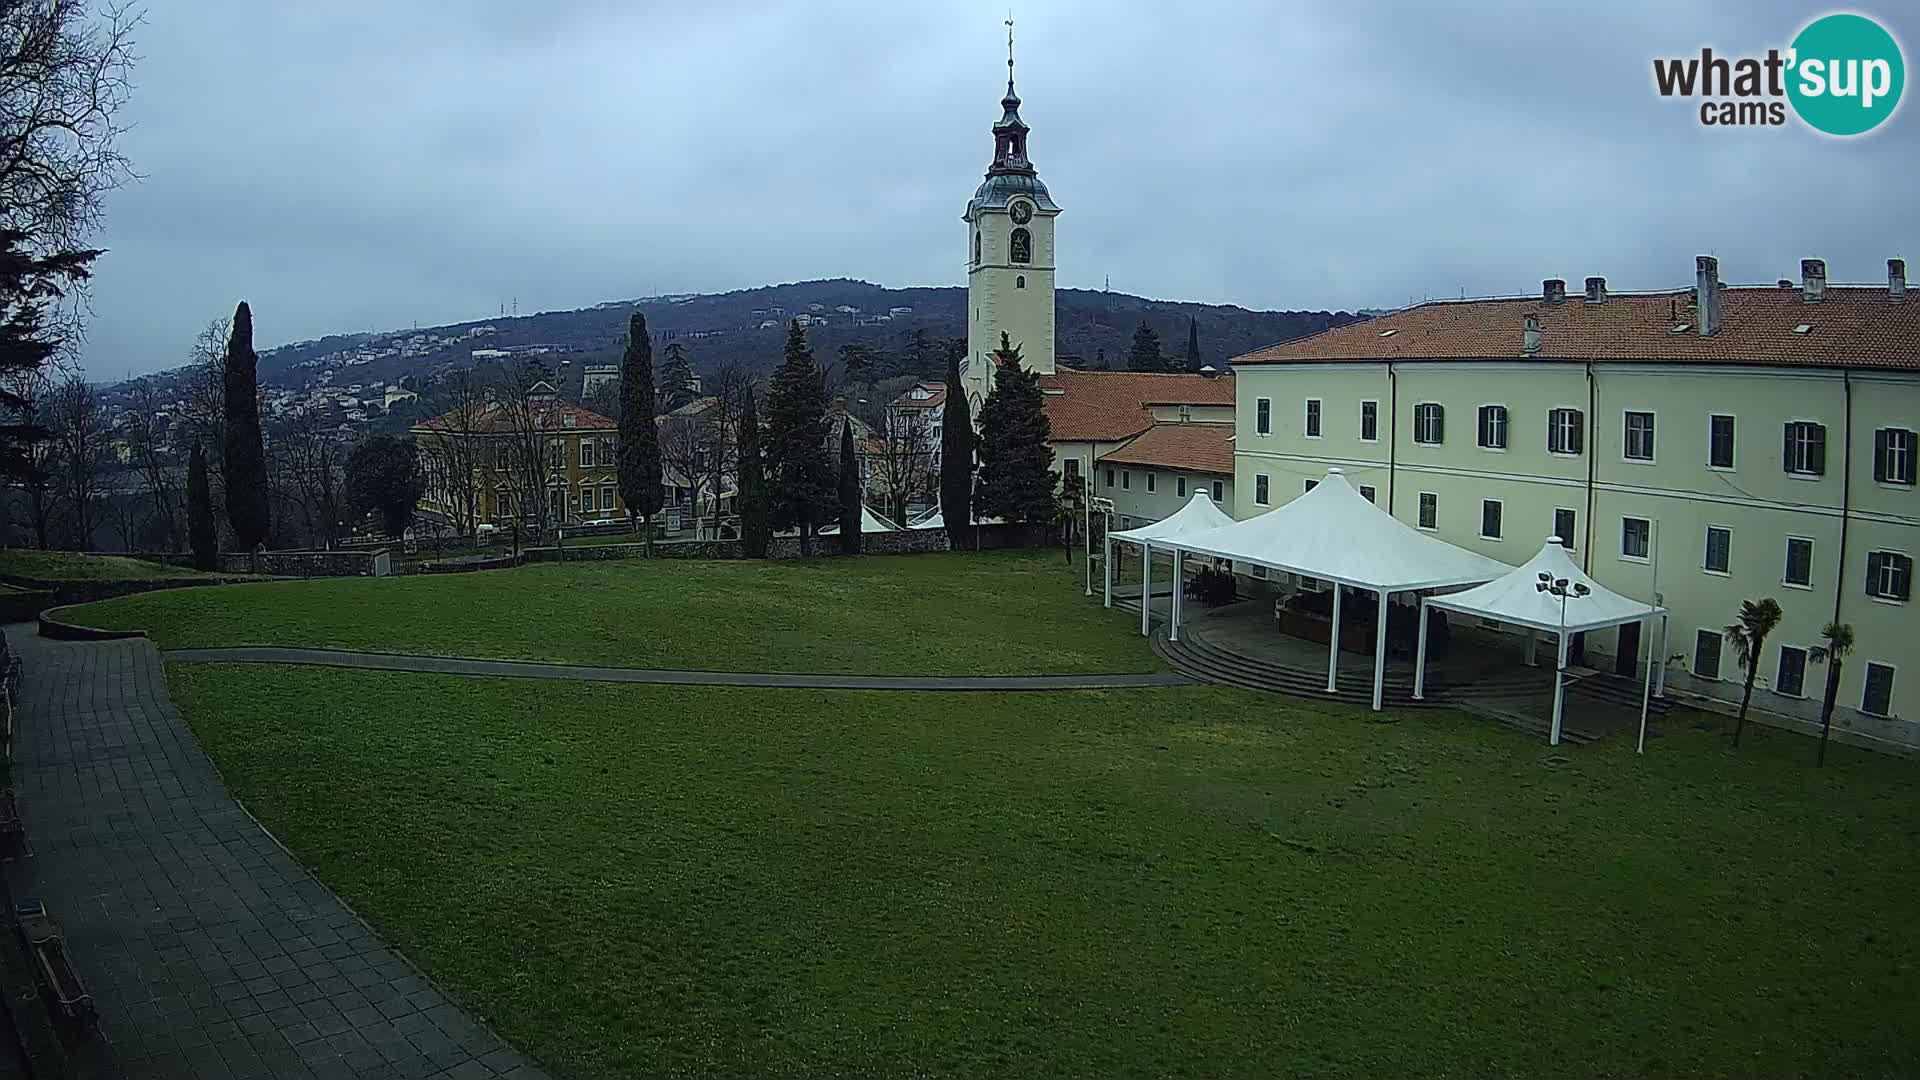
column 1022, row 212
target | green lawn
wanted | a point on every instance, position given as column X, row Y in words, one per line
column 962, row 614
column 1195, row 882
column 79, row 566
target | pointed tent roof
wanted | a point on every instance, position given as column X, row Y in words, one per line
column 1199, row 515
column 1514, row 597
column 1333, row 532
column 870, row 522
column 938, row 520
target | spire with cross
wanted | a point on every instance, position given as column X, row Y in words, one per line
column 1010, row 134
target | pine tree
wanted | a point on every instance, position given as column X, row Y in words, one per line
column 639, row 456
column 1193, row 343
column 1016, row 455
column 201, row 531
column 850, row 516
column 676, row 378
column 956, row 457
column 800, row 483
column 245, row 460
column 751, row 497
column 30, row 286
column 1145, row 354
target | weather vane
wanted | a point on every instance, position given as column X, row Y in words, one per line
column 1009, row 47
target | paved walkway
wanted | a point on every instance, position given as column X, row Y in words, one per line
column 208, row 951
column 518, row 669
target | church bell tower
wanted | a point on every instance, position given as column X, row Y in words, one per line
column 1009, row 254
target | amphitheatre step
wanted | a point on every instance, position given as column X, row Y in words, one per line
column 1216, row 667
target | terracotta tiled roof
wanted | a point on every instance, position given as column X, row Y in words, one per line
column 1084, row 406
column 496, row 420
column 936, row 397
column 1853, row 326
column 1206, row 448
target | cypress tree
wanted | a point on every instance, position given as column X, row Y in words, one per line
column 1016, row 455
column 751, row 492
column 676, row 378
column 201, row 531
column 1193, row 343
column 244, row 467
column 956, row 457
column 800, row 488
column 639, row 458
column 850, row 515
column 1145, row 354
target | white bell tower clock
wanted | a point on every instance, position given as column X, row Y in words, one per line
column 1009, row 255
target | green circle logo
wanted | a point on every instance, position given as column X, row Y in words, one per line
column 1846, row 75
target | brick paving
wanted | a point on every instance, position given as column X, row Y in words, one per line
column 208, row 951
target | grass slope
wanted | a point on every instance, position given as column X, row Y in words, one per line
column 79, row 566
column 961, row 614
column 1193, row 882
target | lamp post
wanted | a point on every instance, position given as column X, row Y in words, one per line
column 1561, row 588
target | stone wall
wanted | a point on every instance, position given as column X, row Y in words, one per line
column 901, row 542
column 309, row 564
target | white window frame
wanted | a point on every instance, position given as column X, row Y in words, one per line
column 1805, row 662
column 1866, row 671
column 1890, row 598
column 1571, row 543
column 1150, row 481
column 1126, row 479
column 1370, row 493
column 1735, row 448
column 1719, row 656
column 1484, row 503
column 1420, row 507
column 1219, row 491
column 1312, row 418
column 1911, row 451
column 1375, row 437
column 1624, row 556
column 1706, row 550
column 586, row 453
column 1787, row 563
column 1263, row 417
column 1179, row 487
column 607, row 492
column 1419, row 421
column 1307, row 488
column 1504, row 423
column 1626, row 436
column 1262, row 490
column 586, row 499
column 1553, row 429
column 1801, row 474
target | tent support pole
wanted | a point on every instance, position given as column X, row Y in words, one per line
column 1146, row 586
column 1559, row 691
column 1533, row 639
column 1380, row 653
column 1646, row 688
column 1660, row 671
column 1173, row 605
column 1420, row 657
column 1106, row 572
column 1333, row 642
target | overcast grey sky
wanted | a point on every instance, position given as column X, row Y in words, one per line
column 363, row 164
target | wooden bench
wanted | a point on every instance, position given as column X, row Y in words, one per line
column 49, row 952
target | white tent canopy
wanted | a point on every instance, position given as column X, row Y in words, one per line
column 1515, row 597
column 1198, row 516
column 1336, row 533
column 870, row 522
column 1548, row 592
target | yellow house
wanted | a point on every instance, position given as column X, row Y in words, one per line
column 573, row 475
column 1693, row 447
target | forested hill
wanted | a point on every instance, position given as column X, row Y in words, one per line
column 748, row 327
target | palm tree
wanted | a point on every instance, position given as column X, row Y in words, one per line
column 1749, row 637
column 1839, row 642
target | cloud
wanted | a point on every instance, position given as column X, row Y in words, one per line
column 362, row 165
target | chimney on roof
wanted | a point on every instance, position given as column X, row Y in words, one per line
column 1706, row 294
column 1813, row 280
column 1530, row 337
column 1896, row 280
column 1554, row 290
column 1596, row 290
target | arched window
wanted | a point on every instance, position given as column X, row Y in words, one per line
column 1022, row 246
column 1020, row 282
column 976, row 247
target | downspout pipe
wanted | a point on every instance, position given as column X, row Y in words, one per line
column 1846, row 488
column 1589, row 439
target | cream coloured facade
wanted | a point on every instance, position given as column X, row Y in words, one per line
column 1697, row 482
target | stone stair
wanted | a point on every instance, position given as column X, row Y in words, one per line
column 1194, row 657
